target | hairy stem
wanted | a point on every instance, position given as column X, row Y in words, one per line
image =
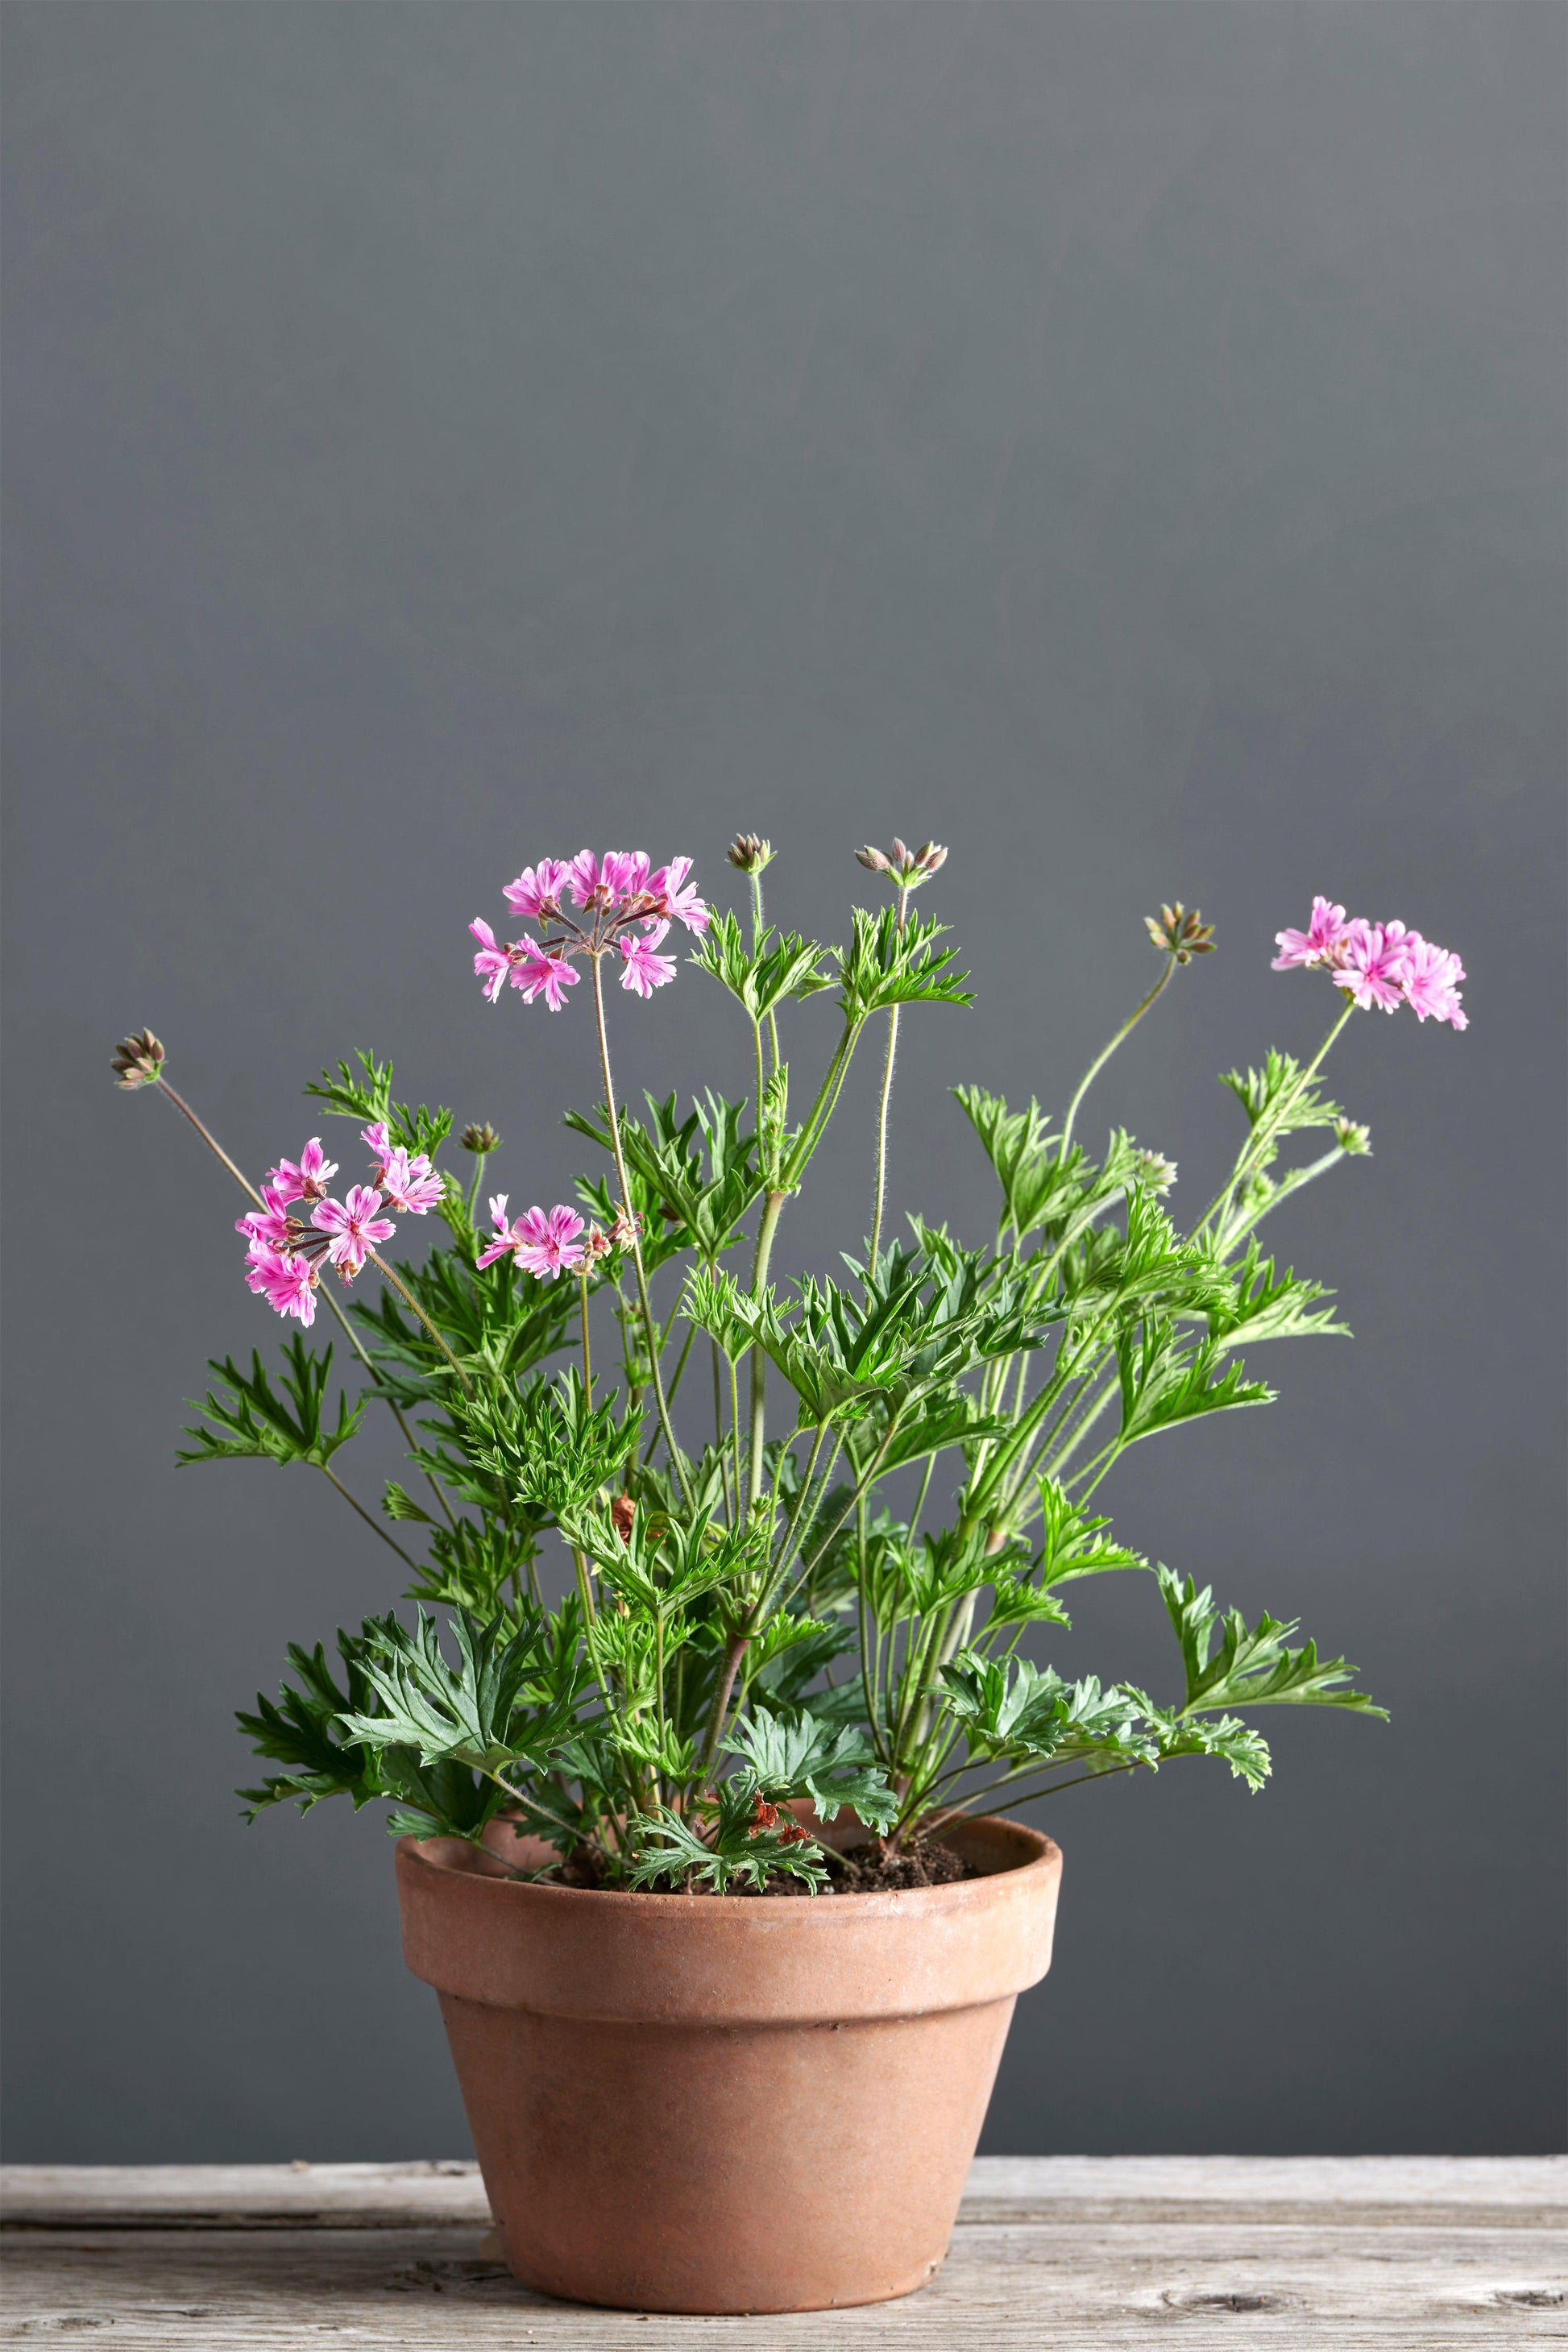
column 355, row 1505
column 649, row 1327
column 1264, row 1133
column 773, row 1209
column 1099, row 1064
column 886, row 1096
column 409, row 1300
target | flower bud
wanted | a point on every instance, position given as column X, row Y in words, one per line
column 1154, row 1169
column 624, row 1512
column 907, row 868
column 750, row 852
column 479, row 1136
column 1351, row 1136
column 1181, row 934
column 137, row 1061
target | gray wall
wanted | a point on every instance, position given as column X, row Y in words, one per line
column 1123, row 441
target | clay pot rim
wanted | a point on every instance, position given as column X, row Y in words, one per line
column 959, row 1894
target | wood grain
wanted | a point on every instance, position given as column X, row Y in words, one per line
column 1055, row 2252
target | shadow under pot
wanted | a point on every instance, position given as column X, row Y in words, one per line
column 706, row 2104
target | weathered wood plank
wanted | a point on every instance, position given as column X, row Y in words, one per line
column 1050, row 2255
column 387, row 2195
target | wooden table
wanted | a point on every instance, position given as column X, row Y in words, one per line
column 1088, row 2253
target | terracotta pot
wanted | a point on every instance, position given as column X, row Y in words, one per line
column 709, row 2104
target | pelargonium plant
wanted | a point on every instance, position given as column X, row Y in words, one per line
column 813, row 1596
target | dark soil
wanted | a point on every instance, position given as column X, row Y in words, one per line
column 864, row 1870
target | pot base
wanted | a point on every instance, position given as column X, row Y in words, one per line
column 725, row 2171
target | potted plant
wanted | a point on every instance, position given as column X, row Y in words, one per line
column 715, row 1665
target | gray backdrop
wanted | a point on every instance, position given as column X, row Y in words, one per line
column 1122, row 440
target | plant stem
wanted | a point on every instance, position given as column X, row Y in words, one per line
column 735, row 1651
column 480, row 1159
column 649, row 1327
column 773, row 1209
column 355, row 1505
column 1263, row 1134
column 409, row 1300
column 893, row 1010
column 1099, row 1064
column 212, row 1142
column 587, row 1350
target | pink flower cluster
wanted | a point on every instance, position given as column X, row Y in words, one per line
column 1377, row 963
column 627, row 906
column 284, row 1256
column 548, row 1242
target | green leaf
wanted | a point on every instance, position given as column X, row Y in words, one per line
column 761, row 977
column 1276, row 1097
column 1071, row 1543
column 794, row 1754
column 884, row 966
column 1253, row 1666
column 252, row 1420
column 738, row 1849
column 1260, row 1306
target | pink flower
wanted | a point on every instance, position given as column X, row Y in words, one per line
column 268, row 1227
column 354, row 1227
column 305, row 1179
column 1317, row 942
column 537, row 890
column 411, row 1185
column 645, row 971
column 620, row 874
column 1369, row 965
column 504, row 1240
column 1432, row 976
column 380, row 1143
column 288, row 1284
column 675, row 898
column 260, row 1263
column 538, row 975
column 624, row 872
column 548, row 1244
column 493, row 963
column 587, row 879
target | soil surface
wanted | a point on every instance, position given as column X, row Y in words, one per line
column 864, row 1870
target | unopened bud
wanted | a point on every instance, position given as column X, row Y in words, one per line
column 480, row 1137
column 624, row 1512
column 1351, row 1136
column 138, row 1061
column 907, row 867
column 750, row 852
column 1180, row 934
column 1155, row 1171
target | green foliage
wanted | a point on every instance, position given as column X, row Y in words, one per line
column 365, row 1093
column 794, row 1754
column 884, row 965
column 1253, row 1666
column 765, row 974
column 247, row 1417
column 1275, row 1097
column 765, row 1624
column 700, row 1192
column 737, row 1848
